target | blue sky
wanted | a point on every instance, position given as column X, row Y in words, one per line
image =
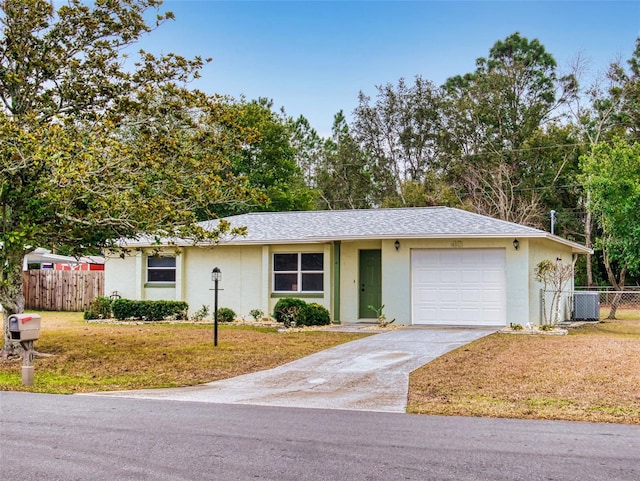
column 313, row 57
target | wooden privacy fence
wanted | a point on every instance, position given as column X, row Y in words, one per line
column 52, row 290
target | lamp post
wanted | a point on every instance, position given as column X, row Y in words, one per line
column 216, row 275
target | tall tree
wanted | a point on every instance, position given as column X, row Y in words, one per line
column 626, row 89
column 343, row 178
column 494, row 112
column 403, row 131
column 92, row 151
column 309, row 148
column 606, row 108
column 611, row 174
column 268, row 161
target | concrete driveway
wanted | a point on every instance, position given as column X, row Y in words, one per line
column 370, row 374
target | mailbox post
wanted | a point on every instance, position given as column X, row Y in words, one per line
column 26, row 329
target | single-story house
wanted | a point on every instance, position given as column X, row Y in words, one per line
column 428, row 265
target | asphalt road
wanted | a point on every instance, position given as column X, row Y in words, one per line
column 48, row 437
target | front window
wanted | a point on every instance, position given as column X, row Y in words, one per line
column 161, row 269
column 299, row 272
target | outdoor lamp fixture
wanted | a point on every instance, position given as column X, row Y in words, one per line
column 516, row 244
column 397, row 244
column 216, row 276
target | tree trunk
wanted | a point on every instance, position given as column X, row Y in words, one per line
column 614, row 306
column 618, row 284
column 587, row 236
column 11, row 294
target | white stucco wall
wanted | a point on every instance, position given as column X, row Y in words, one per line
column 123, row 275
column 241, row 281
column 539, row 250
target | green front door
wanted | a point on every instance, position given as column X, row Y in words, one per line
column 370, row 283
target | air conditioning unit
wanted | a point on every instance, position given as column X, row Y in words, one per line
column 586, row 306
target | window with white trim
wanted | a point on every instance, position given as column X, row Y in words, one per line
column 298, row 272
column 161, row 269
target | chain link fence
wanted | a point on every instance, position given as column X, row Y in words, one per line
column 555, row 307
column 588, row 304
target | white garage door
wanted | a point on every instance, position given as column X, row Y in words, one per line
column 458, row 287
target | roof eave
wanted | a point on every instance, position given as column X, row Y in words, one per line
column 576, row 248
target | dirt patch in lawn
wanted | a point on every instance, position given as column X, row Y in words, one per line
column 592, row 374
column 91, row 357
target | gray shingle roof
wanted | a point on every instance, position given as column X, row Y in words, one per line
column 333, row 225
column 416, row 222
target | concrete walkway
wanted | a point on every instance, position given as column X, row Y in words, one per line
column 370, row 374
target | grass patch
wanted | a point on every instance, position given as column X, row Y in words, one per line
column 593, row 374
column 100, row 357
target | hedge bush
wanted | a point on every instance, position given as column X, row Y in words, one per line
column 314, row 315
column 290, row 309
column 226, row 314
column 100, row 308
column 149, row 310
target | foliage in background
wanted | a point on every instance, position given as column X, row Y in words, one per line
column 611, row 175
column 511, row 97
column 404, row 133
column 344, row 178
column 267, row 162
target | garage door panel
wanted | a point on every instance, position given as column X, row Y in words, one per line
column 430, row 314
column 459, row 286
column 446, row 258
column 470, row 259
column 448, row 296
column 493, row 255
column 471, row 296
column 426, row 296
column 468, row 315
column 471, row 276
column 448, row 276
column 448, row 314
column 492, row 296
column 423, row 275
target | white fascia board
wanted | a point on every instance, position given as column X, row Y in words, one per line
column 576, row 247
column 134, row 243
